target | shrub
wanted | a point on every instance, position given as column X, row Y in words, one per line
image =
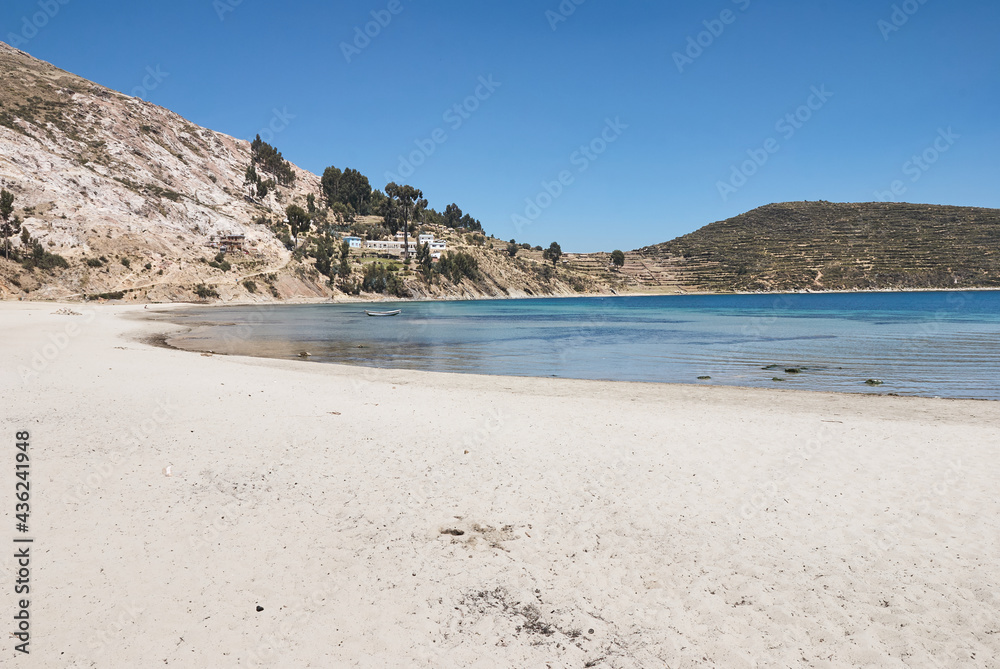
column 351, row 287
column 42, row 259
column 458, row 265
column 94, row 262
column 148, row 266
column 126, row 262
column 117, row 295
column 379, row 279
column 205, row 292
column 250, row 285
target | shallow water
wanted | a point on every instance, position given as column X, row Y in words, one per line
column 929, row 344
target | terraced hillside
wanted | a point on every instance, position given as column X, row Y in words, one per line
column 830, row 246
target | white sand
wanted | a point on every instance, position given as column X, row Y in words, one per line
column 621, row 525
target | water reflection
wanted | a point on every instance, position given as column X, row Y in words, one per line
column 937, row 344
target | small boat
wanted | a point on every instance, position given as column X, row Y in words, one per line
column 383, row 313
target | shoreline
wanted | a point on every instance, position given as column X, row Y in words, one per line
column 397, row 518
column 377, row 299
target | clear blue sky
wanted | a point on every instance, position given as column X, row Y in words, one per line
column 892, row 91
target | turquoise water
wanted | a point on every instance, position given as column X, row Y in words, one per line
column 929, row 344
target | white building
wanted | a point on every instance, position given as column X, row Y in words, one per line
column 390, row 246
column 384, row 245
column 436, row 246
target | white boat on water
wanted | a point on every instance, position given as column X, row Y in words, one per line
column 383, row 313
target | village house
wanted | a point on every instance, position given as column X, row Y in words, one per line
column 395, row 246
column 229, row 243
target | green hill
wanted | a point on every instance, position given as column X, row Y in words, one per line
column 830, row 246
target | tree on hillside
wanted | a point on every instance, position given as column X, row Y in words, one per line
column 311, row 204
column 458, row 265
column 452, row 215
column 349, row 187
column 408, row 203
column 298, row 221
column 375, row 201
column 553, row 253
column 330, row 184
column 617, row 258
column 323, row 252
column 342, row 213
column 8, row 226
column 251, row 178
column 512, row 248
column 425, row 261
column 431, row 217
column 389, row 212
column 271, row 161
column 355, row 190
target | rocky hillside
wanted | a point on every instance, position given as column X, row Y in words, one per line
column 829, row 246
column 130, row 194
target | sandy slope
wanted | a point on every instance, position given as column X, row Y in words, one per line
column 618, row 525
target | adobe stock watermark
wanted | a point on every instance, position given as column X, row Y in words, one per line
column 788, row 125
column 109, row 637
column 765, row 494
column 901, row 527
column 455, row 117
column 697, row 44
column 223, row 7
column 55, row 344
column 142, row 429
column 30, row 25
column 900, row 16
column 581, row 159
column 565, row 9
column 363, row 37
column 154, row 77
column 280, row 120
column 919, row 164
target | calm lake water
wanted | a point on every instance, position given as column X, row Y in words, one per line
column 929, row 344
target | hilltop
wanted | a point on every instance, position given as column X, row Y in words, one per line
column 829, row 246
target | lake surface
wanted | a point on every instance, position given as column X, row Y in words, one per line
column 942, row 344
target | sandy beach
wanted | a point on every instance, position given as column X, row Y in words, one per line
column 407, row 519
